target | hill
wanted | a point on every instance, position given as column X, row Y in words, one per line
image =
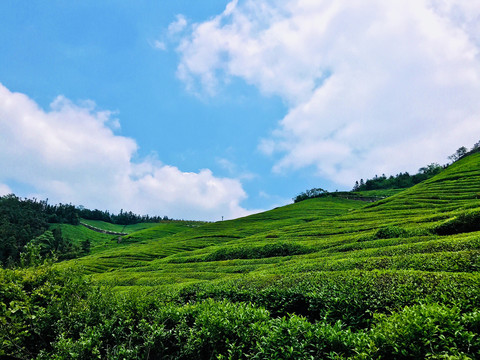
column 153, row 250
column 321, row 234
column 328, row 277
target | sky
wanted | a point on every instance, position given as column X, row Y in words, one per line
column 211, row 109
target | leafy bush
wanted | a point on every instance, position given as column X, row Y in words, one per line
column 389, row 232
column 424, row 331
column 258, row 252
column 466, row 222
column 32, row 302
column 48, row 314
column 212, row 328
column 295, row 338
column 351, row 297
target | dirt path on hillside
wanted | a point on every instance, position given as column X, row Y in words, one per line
column 102, row 230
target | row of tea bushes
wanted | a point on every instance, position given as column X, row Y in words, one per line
column 46, row 314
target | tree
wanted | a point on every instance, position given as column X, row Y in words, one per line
column 431, row 169
column 356, row 186
column 476, row 147
column 20, row 221
column 31, row 255
column 47, row 243
column 461, row 152
column 52, row 244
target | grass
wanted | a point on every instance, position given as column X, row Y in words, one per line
column 171, row 239
column 329, row 277
column 327, row 235
column 128, row 229
column 78, row 234
column 101, row 242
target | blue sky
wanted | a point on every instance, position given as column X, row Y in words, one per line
column 219, row 108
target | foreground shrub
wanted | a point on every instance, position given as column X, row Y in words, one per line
column 425, row 331
column 351, row 296
column 294, row 337
column 32, row 301
column 212, row 328
column 47, row 314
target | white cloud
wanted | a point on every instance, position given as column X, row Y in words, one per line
column 178, row 25
column 372, row 86
column 159, row 45
column 5, row 190
column 170, row 34
column 70, row 154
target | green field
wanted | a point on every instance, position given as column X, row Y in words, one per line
column 334, row 234
column 128, row 229
column 101, row 242
column 155, row 248
column 329, row 277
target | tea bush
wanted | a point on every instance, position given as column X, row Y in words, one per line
column 389, row 232
column 48, row 314
column 425, row 331
column 258, row 252
column 465, row 222
column 351, row 297
column 32, row 302
column 237, row 289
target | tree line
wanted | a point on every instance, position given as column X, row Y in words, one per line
column 405, row 180
column 399, row 181
column 28, row 234
column 122, row 218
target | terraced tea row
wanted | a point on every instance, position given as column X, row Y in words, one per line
column 323, row 234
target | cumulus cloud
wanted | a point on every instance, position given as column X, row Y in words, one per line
column 71, row 154
column 371, row 86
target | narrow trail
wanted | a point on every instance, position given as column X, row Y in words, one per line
column 102, row 230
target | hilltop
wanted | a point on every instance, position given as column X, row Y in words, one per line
column 328, row 277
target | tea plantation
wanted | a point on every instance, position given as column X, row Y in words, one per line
column 324, row 278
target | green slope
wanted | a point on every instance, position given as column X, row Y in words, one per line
column 174, row 225
column 101, row 242
column 151, row 245
column 326, row 278
column 332, row 234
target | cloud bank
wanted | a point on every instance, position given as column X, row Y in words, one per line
column 70, row 154
column 372, row 86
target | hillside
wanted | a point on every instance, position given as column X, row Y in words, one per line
column 106, row 242
column 327, row 277
column 324, row 234
column 153, row 247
